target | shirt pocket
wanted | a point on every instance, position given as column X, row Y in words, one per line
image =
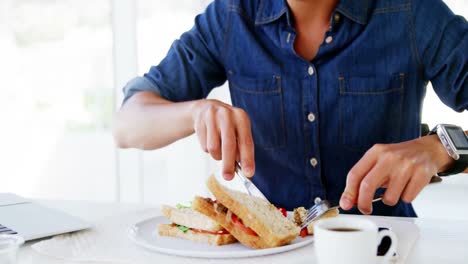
column 262, row 99
column 370, row 110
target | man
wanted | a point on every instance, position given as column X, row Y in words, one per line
column 327, row 96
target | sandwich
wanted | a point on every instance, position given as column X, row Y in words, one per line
column 235, row 216
column 299, row 216
column 191, row 225
column 253, row 221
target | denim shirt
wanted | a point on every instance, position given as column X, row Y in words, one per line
column 313, row 120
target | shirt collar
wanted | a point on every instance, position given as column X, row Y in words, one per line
column 356, row 10
column 271, row 10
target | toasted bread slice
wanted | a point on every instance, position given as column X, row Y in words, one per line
column 190, row 218
column 218, row 239
column 272, row 227
column 206, row 206
column 300, row 213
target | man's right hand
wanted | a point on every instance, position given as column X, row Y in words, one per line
column 224, row 132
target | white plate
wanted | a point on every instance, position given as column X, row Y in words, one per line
column 145, row 234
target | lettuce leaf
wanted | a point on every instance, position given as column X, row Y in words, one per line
column 181, row 206
column 183, row 228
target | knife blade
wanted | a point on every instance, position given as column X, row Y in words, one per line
column 250, row 187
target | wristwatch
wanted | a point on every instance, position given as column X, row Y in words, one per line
column 455, row 141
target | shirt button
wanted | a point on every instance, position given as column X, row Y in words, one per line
column 317, row 200
column 311, row 117
column 310, row 70
column 313, row 162
column 329, row 39
column 336, row 17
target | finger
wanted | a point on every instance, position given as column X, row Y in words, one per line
column 396, row 186
column 354, row 178
column 385, row 184
column 415, row 185
column 229, row 149
column 245, row 144
column 200, row 130
column 213, row 140
column 373, row 180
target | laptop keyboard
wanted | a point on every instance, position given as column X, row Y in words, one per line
column 6, row 230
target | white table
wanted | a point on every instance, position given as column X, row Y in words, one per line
column 441, row 241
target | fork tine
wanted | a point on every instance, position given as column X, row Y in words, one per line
column 314, row 212
column 311, row 213
column 308, row 221
column 312, row 209
column 312, row 216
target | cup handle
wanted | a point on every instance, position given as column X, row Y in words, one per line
column 393, row 245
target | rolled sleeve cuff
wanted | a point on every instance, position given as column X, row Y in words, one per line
column 139, row 84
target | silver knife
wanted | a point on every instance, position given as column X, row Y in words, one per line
column 252, row 190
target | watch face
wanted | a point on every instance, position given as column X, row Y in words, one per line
column 458, row 137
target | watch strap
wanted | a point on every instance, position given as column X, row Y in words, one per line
column 460, row 166
column 433, row 131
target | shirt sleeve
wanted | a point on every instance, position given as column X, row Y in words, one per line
column 193, row 65
column 441, row 39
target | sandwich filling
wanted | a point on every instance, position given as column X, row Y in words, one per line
column 184, row 219
column 185, row 229
column 231, row 217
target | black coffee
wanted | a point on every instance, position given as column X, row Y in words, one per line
column 344, row 229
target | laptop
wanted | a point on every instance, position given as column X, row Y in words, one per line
column 32, row 221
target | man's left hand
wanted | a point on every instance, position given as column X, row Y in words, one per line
column 403, row 168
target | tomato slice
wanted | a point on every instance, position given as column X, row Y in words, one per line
column 283, row 211
column 304, row 232
column 236, row 221
column 220, row 232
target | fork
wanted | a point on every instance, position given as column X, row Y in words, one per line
column 321, row 207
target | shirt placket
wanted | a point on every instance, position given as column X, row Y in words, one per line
column 310, row 121
column 310, row 89
column 311, row 131
column 330, row 34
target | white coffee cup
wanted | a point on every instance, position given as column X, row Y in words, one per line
column 350, row 240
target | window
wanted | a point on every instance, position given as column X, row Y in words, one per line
column 57, row 99
column 434, row 111
column 175, row 173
